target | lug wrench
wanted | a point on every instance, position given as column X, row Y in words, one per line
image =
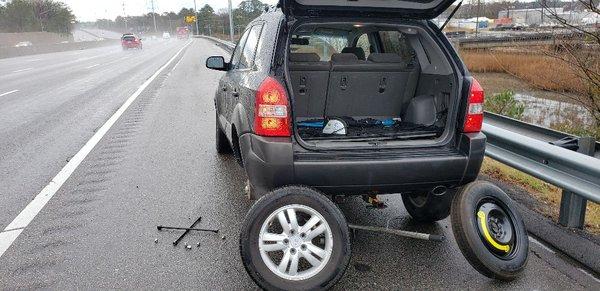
column 160, row 227
column 176, row 242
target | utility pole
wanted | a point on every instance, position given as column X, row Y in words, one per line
column 125, row 17
column 231, row 28
column 196, row 15
column 477, row 24
column 153, row 16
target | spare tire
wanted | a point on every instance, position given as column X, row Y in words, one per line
column 490, row 231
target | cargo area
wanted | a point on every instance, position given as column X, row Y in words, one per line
column 356, row 82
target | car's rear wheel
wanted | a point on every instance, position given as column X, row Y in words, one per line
column 490, row 231
column 428, row 207
column 295, row 238
column 221, row 143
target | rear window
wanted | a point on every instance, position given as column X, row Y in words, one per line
column 396, row 42
column 324, row 44
column 129, row 38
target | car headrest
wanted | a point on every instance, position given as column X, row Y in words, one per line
column 344, row 58
column 359, row 52
column 385, row 58
column 304, row 57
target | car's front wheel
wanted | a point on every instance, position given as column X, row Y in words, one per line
column 294, row 238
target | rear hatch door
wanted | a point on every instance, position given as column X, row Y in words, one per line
column 417, row 9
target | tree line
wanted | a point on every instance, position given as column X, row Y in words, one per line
column 36, row 15
column 209, row 20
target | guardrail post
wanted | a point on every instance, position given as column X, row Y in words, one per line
column 572, row 206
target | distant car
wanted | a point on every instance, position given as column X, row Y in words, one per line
column 129, row 41
column 23, row 44
column 166, row 35
column 183, row 33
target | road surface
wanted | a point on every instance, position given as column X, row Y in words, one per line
column 157, row 166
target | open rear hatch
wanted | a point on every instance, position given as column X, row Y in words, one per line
column 355, row 84
column 416, row 9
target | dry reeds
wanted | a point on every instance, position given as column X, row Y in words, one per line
column 541, row 71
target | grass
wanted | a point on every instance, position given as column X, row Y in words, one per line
column 540, row 71
column 547, row 194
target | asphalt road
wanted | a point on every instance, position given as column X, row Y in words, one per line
column 157, row 166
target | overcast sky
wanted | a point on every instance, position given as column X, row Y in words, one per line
column 90, row 10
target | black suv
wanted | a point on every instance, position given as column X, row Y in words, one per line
column 353, row 103
column 347, row 98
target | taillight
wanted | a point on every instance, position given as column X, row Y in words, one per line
column 474, row 118
column 271, row 116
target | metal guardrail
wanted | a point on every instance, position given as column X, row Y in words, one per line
column 227, row 44
column 531, row 130
column 526, row 147
column 567, row 169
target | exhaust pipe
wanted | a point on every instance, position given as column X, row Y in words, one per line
column 439, row 190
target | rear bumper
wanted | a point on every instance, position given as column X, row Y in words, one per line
column 270, row 163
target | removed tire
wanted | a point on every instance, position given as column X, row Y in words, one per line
column 294, row 238
column 221, row 143
column 428, row 207
column 489, row 231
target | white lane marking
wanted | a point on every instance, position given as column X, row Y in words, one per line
column 23, row 70
column 9, row 92
column 33, row 60
column 589, row 274
column 92, row 66
column 177, row 64
column 535, row 241
column 34, row 207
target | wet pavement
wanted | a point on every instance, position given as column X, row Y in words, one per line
column 158, row 166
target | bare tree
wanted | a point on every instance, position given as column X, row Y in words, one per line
column 580, row 52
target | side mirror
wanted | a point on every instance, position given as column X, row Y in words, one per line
column 217, row 63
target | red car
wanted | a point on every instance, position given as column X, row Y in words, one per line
column 129, row 41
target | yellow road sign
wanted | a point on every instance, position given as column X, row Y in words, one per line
column 190, row 19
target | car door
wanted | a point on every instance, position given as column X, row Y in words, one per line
column 239, row 76
column 225, row 86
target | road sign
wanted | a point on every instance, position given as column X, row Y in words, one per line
column 190, row 19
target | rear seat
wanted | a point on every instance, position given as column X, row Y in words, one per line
column 380, row 87
column 310, row 77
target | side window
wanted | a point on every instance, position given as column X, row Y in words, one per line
column 364, row 43
column 396, row 42
column 249, row 51
column 235, row 58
